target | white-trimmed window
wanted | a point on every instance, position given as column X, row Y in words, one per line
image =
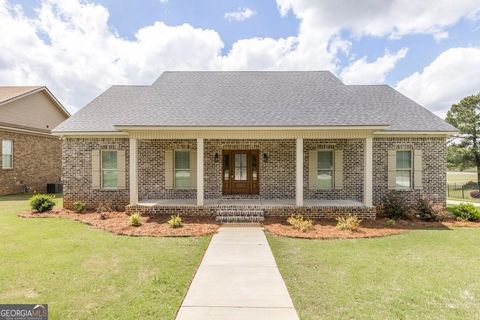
column 403, row 176
column 109, row 169
column 7, row 154
column 325, row 169
column 183, row 174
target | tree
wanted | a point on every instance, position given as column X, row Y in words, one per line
column 465, row 116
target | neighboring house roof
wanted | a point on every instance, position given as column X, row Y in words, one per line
column 30, row 108
column 252, row 98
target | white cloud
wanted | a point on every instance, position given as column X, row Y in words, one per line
column 240, row 15
column 69, row 46
column 363, row 72
column 382, row 18
column 83, row 56
column 450, row 77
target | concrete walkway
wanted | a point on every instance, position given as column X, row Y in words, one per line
column 238, row 279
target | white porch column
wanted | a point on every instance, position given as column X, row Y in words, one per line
column 368, row 181
column 200, row 155
column 133, row 160
column 299, row 173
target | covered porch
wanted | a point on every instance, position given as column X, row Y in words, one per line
column 281, row 174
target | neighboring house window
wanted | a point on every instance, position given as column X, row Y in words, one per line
column 7, row 154
column 404, row 169
column 109, row 169
column 325, row 169
column 182, row 169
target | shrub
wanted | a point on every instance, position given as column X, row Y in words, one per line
column 475, row 194
column 299, row 223
column 395, row 206
column 135, row 220
column 466, row 211
column 390, row 223
column 42, row 202
column 425, row 210
column 79, row 206
column 350, row 223
column 175, row 221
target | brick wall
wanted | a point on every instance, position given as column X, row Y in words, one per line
column 277, row 175
column 151, row 164
column 434, row 167
column 77, row 173
column 36, row 162
column 353, row 169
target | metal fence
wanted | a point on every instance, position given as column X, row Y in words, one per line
column 463, row 191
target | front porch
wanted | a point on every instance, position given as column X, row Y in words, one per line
column 312, row 208
column 278, row 173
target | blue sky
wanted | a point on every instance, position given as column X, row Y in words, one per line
column 407, row 47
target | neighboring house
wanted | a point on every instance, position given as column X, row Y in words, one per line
column 281, row 142
column 31, row 155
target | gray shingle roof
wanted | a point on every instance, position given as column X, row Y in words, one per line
column 256, row 98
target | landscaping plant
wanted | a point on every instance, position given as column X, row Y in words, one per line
column 466, row 211
column 350, row 223
column 42, row 202
column 175, row 221
column 475, row 195
column 395, row 206
column 298, row 222
column 135, row 220
column 390, row 223
column 79, row 206
column 425, row 210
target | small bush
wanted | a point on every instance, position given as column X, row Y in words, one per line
column 175, row 222
column 390, row 223
column 425, row 210
column 299, row 223
column 350, row 223
column 466, row 211
column 135, row 220
column 79, row 206
column 42, row 202
column 475, row 194
column 395, row 206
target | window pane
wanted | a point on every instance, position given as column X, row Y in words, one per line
column 7, row 161
column 254, row 167
column 325, row 160
column 226, row 166
column 182, row 178
column 403, row 179
column 241, row 166
column 404, row 159
column 324, row 178
column 182, row 159
column 109, row 160
column 109, row 179
column 7, row 146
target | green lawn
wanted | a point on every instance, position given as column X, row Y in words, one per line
column 427, row 274
column 460, row 177
column 83, row 273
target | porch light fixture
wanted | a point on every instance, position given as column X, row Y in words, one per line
column 265, row 157
column 216, row 158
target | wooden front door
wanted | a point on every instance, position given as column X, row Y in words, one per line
column 240, row 174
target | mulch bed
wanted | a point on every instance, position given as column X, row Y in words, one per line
column 325, row 228
column 118, row 223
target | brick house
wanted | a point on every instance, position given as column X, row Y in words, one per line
column 31, row 155
column 279, row 142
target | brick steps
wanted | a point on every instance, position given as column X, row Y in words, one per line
column 239, row 216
